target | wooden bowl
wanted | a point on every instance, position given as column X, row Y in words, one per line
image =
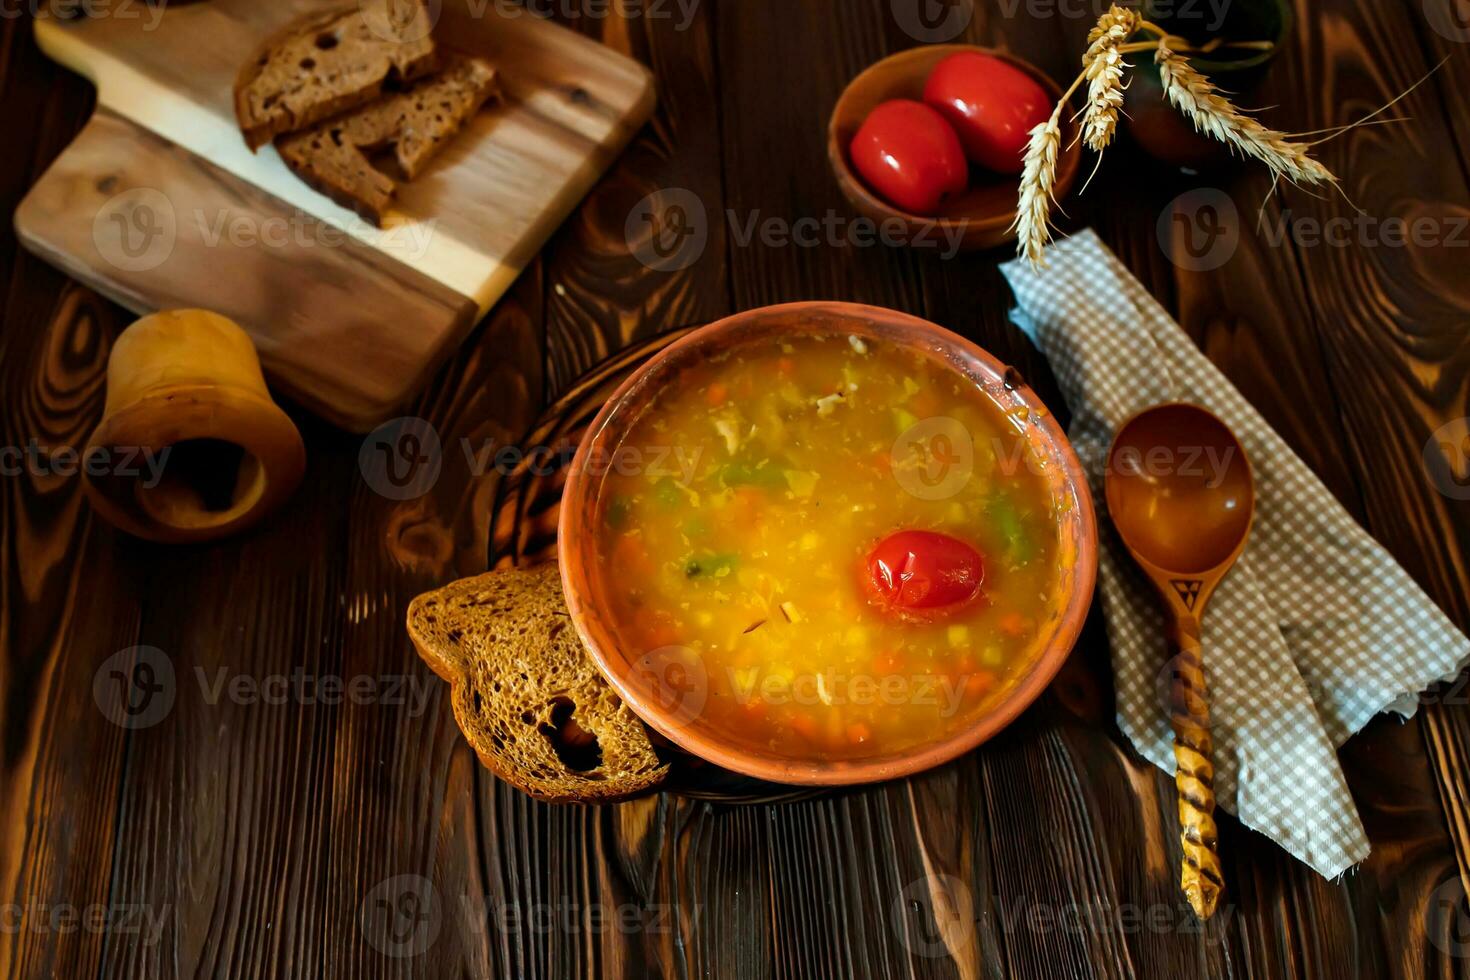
column 589, row 582
column 983, row 214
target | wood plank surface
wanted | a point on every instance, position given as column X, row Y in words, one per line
column 363, row 838
column 66, row 600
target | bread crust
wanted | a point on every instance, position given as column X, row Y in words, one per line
column 332, row 155
column 260, row 124
column 506, row 644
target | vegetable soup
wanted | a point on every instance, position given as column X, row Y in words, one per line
column 825, row 546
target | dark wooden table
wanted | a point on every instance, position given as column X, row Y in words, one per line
column 239, row 837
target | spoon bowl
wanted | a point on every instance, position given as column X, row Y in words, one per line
column 1180, row 493
column 1179, row 489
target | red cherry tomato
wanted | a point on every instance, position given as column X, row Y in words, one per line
column 924, row 574
column 991, row 104
column 910, row 156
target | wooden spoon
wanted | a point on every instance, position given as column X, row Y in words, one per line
column 1180, row 493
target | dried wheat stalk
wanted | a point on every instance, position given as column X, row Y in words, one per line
column 1212, row 114
column 1116, row 25
column 1186, row 89
column 1038, row 175
column 1102, row 66
column 1104, row 98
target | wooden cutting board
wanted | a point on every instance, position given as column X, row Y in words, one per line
column 158, row 203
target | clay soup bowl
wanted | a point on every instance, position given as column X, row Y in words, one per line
column 589, row 582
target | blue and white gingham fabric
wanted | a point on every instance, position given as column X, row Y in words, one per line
column 1315, row 631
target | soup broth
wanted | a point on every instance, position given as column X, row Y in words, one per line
column 740, row 519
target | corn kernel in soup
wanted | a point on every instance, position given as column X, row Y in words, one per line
column 772, row 490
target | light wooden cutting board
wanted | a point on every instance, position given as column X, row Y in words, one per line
column 158, row 203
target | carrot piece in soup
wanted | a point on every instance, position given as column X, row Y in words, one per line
column 717, row 394
column 748, row 505
column 1013, row 624
column 630, row 555
column 925, row 404
column 659, row 628
column 978, row 683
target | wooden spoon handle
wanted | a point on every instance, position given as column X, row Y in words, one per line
column 1194, row 772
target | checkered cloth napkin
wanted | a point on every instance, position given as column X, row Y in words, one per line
column 1313, row 632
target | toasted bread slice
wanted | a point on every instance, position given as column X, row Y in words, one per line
column 526, row 694
column 333, row 156
column 327, row 63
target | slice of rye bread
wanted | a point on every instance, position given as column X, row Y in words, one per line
column 525, row 692
column 334, row 156
column 327, row 63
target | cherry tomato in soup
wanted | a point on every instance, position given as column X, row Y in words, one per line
column 924, row 574
column 991, row 104
column 910, row 156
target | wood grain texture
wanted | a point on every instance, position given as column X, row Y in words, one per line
column 67, row 606
column 1047, row 853
column 1392, row 319
column 66, row 602
column 609, row 281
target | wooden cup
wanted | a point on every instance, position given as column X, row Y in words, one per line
column 186, row 397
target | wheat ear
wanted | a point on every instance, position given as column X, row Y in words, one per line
column 1103, row 69
column 1212, row 114
column 1039, row 166
column 1038, row 177
column 1104, row 98
column 1115, row 26
column 1102, row 66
